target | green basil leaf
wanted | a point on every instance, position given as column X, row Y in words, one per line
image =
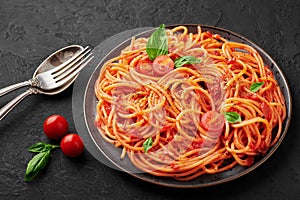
column 179, row 62
column 41, row 147
column 255, row 86
column 232, row 117
column 147, row 144
column 36, row 164
column 157, row 43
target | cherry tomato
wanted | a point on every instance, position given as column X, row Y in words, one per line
column 162, row 65
column 55, row 126
column 71, row 145
column 145, row 67
column 213, row 121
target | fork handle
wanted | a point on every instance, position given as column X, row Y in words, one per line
column 10, row 105
column 13, row 87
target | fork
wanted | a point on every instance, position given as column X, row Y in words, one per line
column 62, row 74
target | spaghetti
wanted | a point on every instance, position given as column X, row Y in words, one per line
column 202, row 117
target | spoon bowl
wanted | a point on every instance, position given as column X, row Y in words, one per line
column 55, row 60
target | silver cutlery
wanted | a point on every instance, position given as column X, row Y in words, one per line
column 54, row 75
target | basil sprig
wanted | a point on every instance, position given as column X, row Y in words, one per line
column 41, row 147
column 147, row 144
column 255, row 86
column 232, row 117
column 179, row 62
column 40, row 160
column 157, row 43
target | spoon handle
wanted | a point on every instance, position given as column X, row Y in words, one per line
column 13, row 87
column 10, row 105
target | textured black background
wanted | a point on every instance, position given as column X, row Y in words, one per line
column 31, row 30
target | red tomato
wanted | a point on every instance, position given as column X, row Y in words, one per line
column 145, row 67
column 71, row 145
column 162, row 65
column 213, row 121
column 55, row 127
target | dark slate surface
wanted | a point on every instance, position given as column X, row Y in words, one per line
column 31, row 30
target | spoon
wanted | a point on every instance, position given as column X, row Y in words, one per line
column 54, row 60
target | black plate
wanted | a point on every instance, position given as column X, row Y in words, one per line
column 84, row 112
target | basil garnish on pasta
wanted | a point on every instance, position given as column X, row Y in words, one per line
column 232, row 117
column 157, row 43
column 179, row 62
column 255, row 86
column 147, row 144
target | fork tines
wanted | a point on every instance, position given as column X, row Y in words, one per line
column 73, row 68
